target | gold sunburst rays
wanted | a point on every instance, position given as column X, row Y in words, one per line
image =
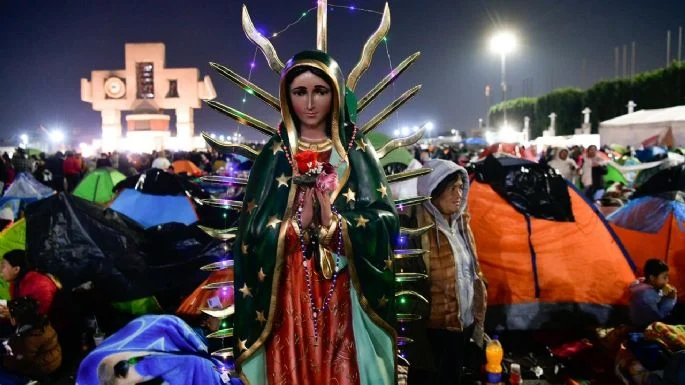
column 228, row 147
column 368, row 50
column 387, row 111
column 415, row 201
column 415, row 232
column 386, row 81
column 262, row 42
column 400, row 142
column 247, row 85
column 404, row 175
column 242, row 118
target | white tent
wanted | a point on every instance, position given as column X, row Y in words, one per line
column 633, row 129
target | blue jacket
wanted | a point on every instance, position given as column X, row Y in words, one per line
column 648, row 305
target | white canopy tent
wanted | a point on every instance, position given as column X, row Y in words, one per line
column 632, row 129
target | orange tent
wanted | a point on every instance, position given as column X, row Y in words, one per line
column 654, row 227
column 544, row 272
column 187, row 167
column 216, row 290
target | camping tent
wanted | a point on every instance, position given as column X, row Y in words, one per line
column 654, row 227
column 13, row 237
column 549, row 257
column 632, row 129
column 652, row 224
column 98, row 185
column 157, row 197
column 77, row 241
column 186, row 167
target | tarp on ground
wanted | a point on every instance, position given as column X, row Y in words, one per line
column 546, row 273
column 98, row 185
column 77, row 241
column 654, row 227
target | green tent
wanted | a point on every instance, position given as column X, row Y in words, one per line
column 141, row 306
column 613, row 175
column 97, row 186
column 401, row 155
column 11, row 238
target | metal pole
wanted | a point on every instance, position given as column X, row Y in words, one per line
column 616, row 54
column 504, row 86
column 584, row 73
column 625, row 60
column 668, row 48
column 680, row 42
column 487, row 110
column 632, row 62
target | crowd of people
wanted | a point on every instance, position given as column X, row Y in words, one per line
column 457, row 292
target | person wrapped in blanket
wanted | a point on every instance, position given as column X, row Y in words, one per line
column 152, row 348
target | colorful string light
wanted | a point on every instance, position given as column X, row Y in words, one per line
column 301, row 17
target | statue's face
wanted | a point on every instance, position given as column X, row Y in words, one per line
column 311, row 99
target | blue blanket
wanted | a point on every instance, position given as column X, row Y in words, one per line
column 170, row 351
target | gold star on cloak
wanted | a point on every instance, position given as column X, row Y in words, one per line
column 241, row 345
column 276, row 147
column 273, row 221
column 283, row 180
column 260, row 317
column 361, row 146
column 261, row 275
column 382, row 301
column 244, row 248
column 245, row 290
column 361, row 221
column 350, row 195
column 388, row 263
column 251, row 206
column 383, row 190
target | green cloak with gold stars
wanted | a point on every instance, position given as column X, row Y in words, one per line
column 370, row 229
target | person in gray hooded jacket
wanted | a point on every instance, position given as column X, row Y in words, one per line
column 457, row 289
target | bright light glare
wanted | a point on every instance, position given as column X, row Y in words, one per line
column 503, row 42
column 405, row 131
column 57, row 136
column 24, row 138
column 396, row 133
column 430, row 126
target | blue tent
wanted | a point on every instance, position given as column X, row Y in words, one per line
column 151, row 210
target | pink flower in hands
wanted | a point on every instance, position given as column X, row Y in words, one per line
column 327, row 182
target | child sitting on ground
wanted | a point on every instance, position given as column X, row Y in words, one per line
column 651, row 298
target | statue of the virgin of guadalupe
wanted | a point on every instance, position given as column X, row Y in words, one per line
column 313, row 250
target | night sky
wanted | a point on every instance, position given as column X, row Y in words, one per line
column 49, row 46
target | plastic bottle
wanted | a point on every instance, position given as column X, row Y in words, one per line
column 493, row 356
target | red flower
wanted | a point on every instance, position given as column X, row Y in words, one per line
column 306, row 160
